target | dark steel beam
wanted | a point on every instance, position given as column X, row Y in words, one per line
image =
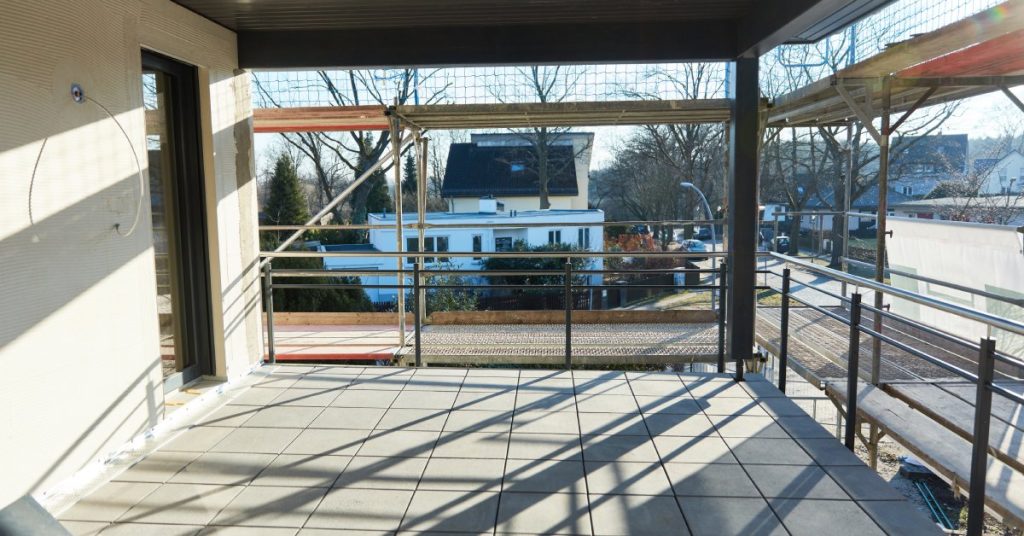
column 489, row 45
column 743, row 211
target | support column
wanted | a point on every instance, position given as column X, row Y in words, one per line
column 421, row 209
column 743, row 212
column 396, row 163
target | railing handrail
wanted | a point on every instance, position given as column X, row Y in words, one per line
column 416, row 225
column 576, row 254
column 920, row 299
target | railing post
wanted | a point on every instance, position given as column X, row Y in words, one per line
column 418, row 320
column 568, row 313
column 268, row 304
column 852, row 374
column 784, row 332
column 721, row 316
column 979, row 454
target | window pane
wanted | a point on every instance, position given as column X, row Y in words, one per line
column 442, row 245
column 411, row 244
column 478, row 245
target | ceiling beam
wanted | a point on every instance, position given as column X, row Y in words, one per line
column 775, row 22
column 489, row 45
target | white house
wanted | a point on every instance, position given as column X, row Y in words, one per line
column 481, row 235
column 503, row 166
column 1004, row 176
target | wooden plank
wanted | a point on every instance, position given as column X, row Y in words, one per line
column 1003, row 55
column 946, row 453
column 320, row 119
column 957, row 415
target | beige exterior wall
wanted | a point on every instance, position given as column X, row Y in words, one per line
column 78, row 325
column 472, row 204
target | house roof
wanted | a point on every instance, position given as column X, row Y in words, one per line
column 940, row 202
column 476, row 171
column 949, row 151
column 435, row 217
column 865, row 201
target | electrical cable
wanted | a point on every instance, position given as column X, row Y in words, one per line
column 138, row 168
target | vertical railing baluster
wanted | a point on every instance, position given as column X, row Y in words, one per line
column 852, row 374
column 418, row 320
column 979, row 453
column 568, row 313
column 784, row 332
column 268, row 300
column 721, row 316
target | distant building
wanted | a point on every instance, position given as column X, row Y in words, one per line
column 920, row 163
column 480, row 235
column 1003, row 176
column 503, row 166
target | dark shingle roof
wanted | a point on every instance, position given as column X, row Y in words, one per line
column 474, row 171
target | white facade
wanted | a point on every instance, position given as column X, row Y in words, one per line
column 1006, row 177
column 482, row 236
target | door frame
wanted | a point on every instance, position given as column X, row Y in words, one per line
column 192, row 257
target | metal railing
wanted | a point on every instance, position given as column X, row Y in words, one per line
column 984, row 378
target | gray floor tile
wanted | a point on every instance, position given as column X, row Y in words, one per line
column 693, row 449
column 256, row 396
column 794, row 482
column 768, row 451
column 349, row 508
column 383, row 383
column 541, row 513
column 248, row 531
column 612, row 423
column 257, row 440
column 829, row 452
column 463, row 474
column 472, row 445
column 454, row 511
column 182, row 504
column 732, row 406
column 710, row 480
column 716, row 516
column 232, row 468
column 328, row 442
column 370, row 472
column 230, row 416
column 109, row 502
column 302, row 470
column 781, row 407
column 352, row 418
column 626, row 478
column 425, row 400
column 157, row 467
column 198, row 439
column 715, row 389
column 546, row 422
column 278, row 381
column 658, row 388
column 563, row 385
column 150, row 529
column 615, row 515
column 659, row 376
column 490, row 383
column 400, row 443
column 585, row 386
column 364, row 399
column 489, row 401
column 679, row 425
column 545, row 402
column 588, row 375
column 619, row 448
column 544, row 446
column 84, row 528
column 748, row 426
column 322, row 382
column 761, row 389
column 440, row 371
column 804, row 427
column 478, row 421
column 862, row 483
column 307, row 397
column 588, row 403
column 899, row 517
column 671, row 405
column 435, row 383
column 814, row 518
column 544, row 476
column 283, row 417
column 424, row 420
column 271, row 506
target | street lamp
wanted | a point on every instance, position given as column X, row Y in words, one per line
column 711, row 217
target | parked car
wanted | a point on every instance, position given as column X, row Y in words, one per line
column 781, row 244
column 694, row 246
column 704, row 233
column 642, row 230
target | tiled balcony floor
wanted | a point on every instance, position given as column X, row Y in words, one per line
column 348, row 450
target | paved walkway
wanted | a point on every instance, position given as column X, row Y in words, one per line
column 321, row 449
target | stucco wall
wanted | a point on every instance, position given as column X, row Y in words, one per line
column 78, row 325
